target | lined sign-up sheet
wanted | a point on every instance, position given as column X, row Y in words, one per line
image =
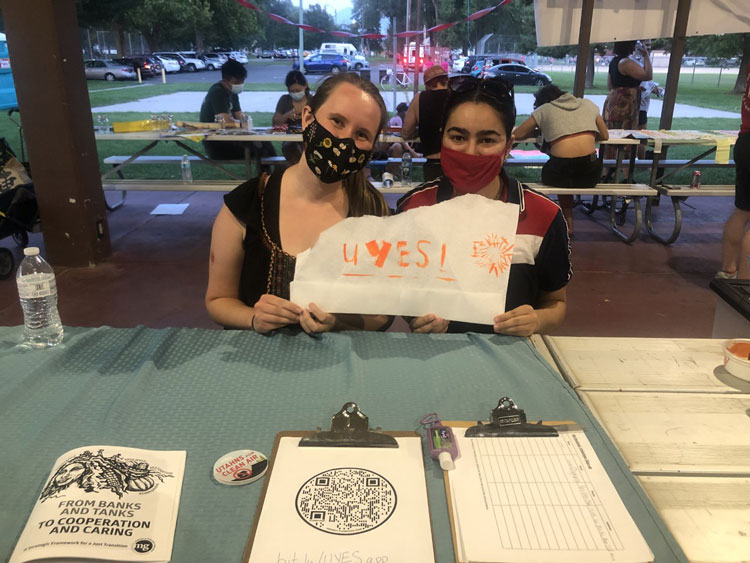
column 538, row 499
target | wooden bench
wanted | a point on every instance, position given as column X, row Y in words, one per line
column 678, row 194
column 632, row 192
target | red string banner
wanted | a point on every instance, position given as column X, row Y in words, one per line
column 405, row 34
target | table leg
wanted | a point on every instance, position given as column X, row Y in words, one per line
column 682, row 167
column 677, row 221
column 638, row 220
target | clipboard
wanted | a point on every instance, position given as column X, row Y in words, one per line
column 349, row 429
column 616, row 515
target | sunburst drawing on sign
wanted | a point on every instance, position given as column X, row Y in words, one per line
column 493, row 253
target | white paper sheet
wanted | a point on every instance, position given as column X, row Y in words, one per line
column 170, row 209
column 345, row 504
column 539, row 499
column 452, row 259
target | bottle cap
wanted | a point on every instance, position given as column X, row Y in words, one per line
column 31, row 251
column 240, row 467
column 446, row 461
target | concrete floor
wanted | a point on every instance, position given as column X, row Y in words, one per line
column 157, row 273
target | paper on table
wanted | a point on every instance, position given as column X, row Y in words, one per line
column 452, row 259
column 170, row 209
column 345, row 504
column 538, row 499
column 118, row 504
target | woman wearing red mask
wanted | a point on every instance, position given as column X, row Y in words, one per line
column 477, row 123
column 265, row 222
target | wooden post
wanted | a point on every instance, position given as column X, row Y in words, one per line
column 584, row 38
column 138, row 72
column 675, row 61
column 45, row 45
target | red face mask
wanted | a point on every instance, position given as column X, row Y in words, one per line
column 469, row 173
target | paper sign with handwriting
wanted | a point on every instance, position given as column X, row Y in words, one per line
column 452, row 259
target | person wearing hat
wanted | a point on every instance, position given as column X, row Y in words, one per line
column 424, row 117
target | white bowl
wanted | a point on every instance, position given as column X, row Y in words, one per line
column 739, row 366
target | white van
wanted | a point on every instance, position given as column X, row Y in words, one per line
column 340, row 48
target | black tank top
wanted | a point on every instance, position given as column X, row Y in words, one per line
column 431, row 103
column 620, row 80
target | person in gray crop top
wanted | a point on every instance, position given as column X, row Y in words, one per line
column 570, row 127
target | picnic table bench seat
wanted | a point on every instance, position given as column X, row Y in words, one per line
column 632, row 192
column 678, row 194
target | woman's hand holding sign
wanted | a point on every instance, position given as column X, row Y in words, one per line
column 315, row 320
column 521, row 321
column 429, row 323
column 273, row 312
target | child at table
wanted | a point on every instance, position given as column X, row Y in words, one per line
column 477, row 123
column 265, row 222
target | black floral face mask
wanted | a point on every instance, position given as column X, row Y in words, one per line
column 330, row 158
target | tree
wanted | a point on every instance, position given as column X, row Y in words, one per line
column 108, row 14
column 316, row 16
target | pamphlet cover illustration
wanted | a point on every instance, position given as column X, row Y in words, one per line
column 106, row 503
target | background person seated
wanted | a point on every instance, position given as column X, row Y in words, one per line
column 289, row 111
column 569, row 126
column 223, row 99
column 424, row 117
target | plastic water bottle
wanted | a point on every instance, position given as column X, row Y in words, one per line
column 37, row 290
column 187, row 172
column 406, row 168
column 103, row 123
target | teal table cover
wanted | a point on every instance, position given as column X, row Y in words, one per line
column 211, row 392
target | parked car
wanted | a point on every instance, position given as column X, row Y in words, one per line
column 193, row 58
column 170, row 65
column 100, row 69
column 358, row 62
column 481, row 66
column 519, row 74
column 265, row 54
column 458, row 64
column 325, row 63
column 149, row 65
column 214, row 60
column 694, row 61
column 187, row 63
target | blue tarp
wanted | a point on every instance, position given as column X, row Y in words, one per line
column 7, row 87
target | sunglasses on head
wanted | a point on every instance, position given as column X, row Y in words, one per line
column 496, row 87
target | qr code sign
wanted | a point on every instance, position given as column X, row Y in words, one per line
column 346, row 500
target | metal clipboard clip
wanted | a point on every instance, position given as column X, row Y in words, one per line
column 508, row 421
column 350, row 428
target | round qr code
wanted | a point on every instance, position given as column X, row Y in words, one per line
column 346, row 500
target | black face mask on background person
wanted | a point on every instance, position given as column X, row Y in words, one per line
column 331, row 159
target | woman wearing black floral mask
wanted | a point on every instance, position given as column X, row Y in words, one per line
column 267, row 221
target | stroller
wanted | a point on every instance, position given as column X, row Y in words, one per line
column 18, row 207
